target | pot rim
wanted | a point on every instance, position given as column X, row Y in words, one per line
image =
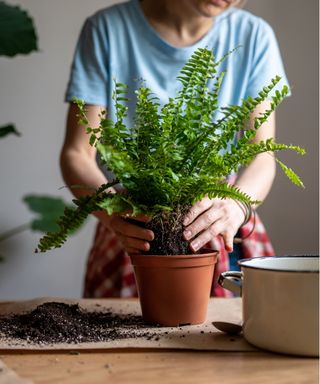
column 174, row 261
column 189, row 256
column 242, row 264
column 205, row 252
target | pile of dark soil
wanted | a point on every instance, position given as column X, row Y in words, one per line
column 55, row 322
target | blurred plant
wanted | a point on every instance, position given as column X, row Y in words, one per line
column 47, row 210
column 18, row 35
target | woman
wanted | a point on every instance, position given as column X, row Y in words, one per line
column 153, row 40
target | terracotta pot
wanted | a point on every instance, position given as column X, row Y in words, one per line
column 174, row 290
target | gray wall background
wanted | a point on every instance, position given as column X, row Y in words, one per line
column 31, row 95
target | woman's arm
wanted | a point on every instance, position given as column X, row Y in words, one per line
column 78, row 157
column 79, row 167
column 257, row 178
column 210, row 218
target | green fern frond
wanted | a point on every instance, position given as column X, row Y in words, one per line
column 235, row 117
column 73, row 218
column 177, row 153
column 240, row 155
column 224, row 191
column 147, row 128
column 295, row 179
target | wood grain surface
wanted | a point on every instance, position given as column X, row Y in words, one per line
column 199, row 337
column 144, row 366
column 150, row 366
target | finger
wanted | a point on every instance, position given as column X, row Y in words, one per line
column 203, row 222
column 200, row 241
column 214, row 244
column 142, row 218
column 209, row 234
column 128, row 215
column 123, row 227
column 131, row 251
column 228, row 240
column 131, row 242
column 196, row 210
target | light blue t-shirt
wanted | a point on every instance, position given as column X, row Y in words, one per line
column 119, row 43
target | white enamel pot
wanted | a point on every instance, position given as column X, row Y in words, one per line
column 280, row 302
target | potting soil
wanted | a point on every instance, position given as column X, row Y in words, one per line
column 55, row 322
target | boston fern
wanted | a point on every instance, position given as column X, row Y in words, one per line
column 174, row 155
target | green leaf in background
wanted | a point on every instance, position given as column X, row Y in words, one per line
column 17, row 31
column 48, row 208
column 7, row 130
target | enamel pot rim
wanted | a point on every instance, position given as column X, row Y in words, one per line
column 245, row 263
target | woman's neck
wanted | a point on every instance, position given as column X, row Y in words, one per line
column 176, row 21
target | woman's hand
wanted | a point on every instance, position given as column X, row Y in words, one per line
column 210, row 218
column 133, row 237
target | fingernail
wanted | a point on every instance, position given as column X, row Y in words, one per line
column 187, row 235
column 194, row 245
column 186, row 220
column 229, row 248
column 146, row 246
column 150, row 236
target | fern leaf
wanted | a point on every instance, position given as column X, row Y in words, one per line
column 176, row 154
column 73, row 218
column 295, row 179
column 224, row 191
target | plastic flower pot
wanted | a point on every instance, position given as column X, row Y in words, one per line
column 174, row 290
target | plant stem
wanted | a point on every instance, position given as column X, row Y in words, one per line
column 14, row 231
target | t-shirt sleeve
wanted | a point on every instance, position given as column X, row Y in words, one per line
column 89, row 71
column 267, row 62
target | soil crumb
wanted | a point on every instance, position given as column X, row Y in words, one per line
column 55, row 322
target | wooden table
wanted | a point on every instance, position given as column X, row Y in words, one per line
column 133, row 366
column 158, row 366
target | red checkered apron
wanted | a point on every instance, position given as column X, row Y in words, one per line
column 110, row 273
